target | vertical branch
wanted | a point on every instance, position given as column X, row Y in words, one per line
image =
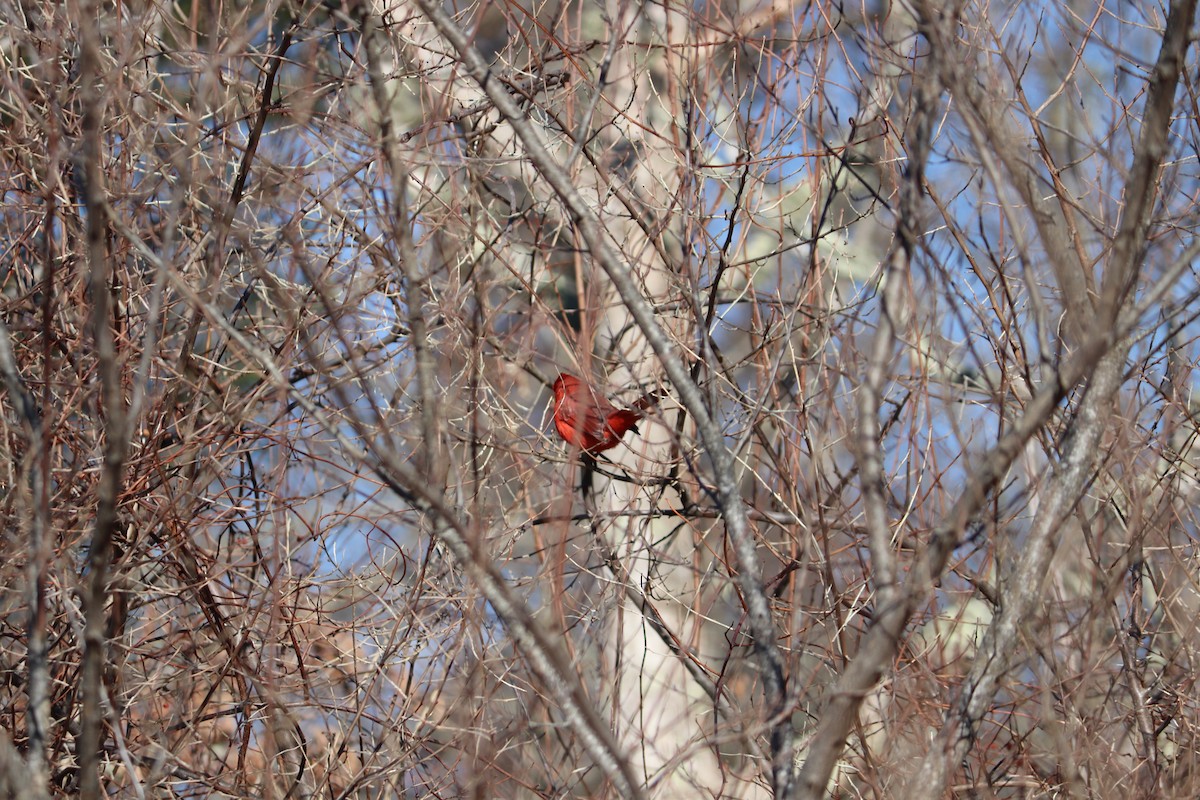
column 37, row 668
column 41, row 546
column 883, row 345
column 92, row 91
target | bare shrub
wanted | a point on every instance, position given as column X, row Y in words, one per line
column 284, row 286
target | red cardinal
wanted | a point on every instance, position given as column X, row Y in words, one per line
column 594, row 424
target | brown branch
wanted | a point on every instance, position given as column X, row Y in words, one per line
column 116, row 441
column 265, row 105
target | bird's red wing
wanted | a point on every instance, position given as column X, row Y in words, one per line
column 595, row 433
column 590, row 422
column 605, row 433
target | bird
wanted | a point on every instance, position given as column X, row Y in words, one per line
column 590, row 422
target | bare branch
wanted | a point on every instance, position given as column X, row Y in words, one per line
column 116, row 441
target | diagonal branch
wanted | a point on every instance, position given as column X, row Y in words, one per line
column 749, row 570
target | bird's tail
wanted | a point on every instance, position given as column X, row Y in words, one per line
column 624, row 420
